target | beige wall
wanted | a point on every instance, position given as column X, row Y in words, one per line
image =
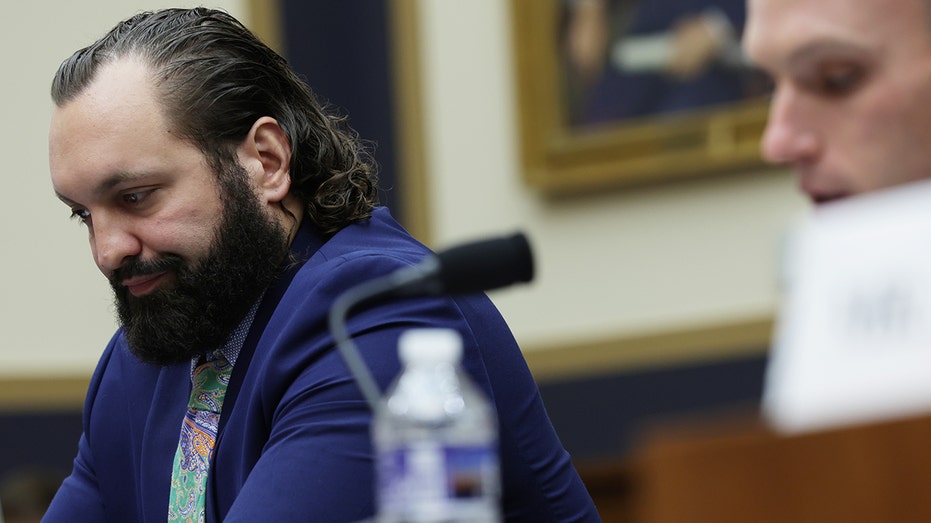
column 614, row 266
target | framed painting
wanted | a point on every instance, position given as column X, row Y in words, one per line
column 621, row 92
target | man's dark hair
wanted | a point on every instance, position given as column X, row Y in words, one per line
column 216, row 79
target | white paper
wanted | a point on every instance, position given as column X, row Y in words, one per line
column 853, row 339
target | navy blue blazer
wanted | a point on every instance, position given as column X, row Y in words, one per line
column 294, row 438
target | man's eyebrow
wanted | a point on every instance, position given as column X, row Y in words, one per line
column 806, row 53
column 106, row 185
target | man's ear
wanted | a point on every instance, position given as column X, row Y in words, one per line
column 266, row 155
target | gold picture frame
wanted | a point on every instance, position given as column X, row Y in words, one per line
column 559, row 160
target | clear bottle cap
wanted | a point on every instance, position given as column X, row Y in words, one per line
column 430, row 345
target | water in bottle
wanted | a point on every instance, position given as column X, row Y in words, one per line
column 436, row 438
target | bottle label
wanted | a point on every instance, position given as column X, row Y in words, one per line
column 427, row 480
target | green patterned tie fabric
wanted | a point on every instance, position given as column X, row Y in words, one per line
column 195, row 447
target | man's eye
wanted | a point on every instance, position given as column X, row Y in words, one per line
column 137, row 198
column 81, row 214
column 839, row 80
column 133, row 197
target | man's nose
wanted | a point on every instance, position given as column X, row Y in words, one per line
column 788, row 139
column 113, row 242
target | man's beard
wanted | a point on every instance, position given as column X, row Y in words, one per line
column 210, row 297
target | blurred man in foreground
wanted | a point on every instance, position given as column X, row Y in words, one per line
column 851, row 110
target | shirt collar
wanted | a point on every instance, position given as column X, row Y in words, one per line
column 231, row 349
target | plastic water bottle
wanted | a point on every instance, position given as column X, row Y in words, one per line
column 436, row 438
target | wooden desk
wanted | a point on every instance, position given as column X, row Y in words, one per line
column 740, row 471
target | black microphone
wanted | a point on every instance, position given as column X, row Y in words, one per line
column 469, row 268
column 473, row 267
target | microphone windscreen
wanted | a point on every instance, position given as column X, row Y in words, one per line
column 486, row 265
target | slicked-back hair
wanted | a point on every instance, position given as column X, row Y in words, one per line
column 215, row 79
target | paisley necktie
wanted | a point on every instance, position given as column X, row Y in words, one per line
column 195, row 446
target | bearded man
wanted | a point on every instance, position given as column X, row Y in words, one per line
column 228, row 211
